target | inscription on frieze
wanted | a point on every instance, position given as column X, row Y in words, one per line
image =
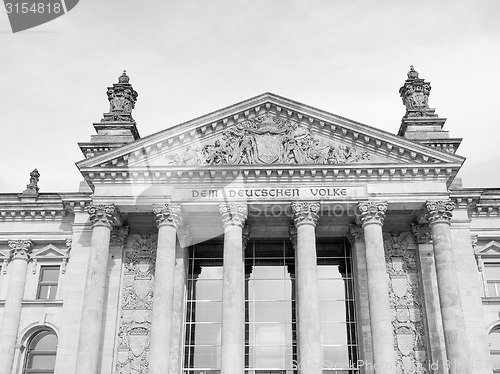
column 270, row 193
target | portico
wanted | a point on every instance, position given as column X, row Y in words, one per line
column 301, row 256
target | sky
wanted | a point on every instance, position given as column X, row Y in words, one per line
column 191, row 57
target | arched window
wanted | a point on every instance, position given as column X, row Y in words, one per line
column 41, row 353
column 494, row 343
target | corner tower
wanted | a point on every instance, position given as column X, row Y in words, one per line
column 420, row 122
column 117, row 127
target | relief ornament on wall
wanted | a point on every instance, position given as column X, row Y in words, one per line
column 136, row 305
column 267, row 140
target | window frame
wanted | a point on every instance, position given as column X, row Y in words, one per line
column 41, row 283
column 28, row 351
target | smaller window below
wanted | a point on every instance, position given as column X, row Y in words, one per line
column 47, row 285
column 41, row 353
column 492, row 274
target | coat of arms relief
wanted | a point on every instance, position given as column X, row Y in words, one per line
column 405, row 302
column 267, row 140
column 136, row 305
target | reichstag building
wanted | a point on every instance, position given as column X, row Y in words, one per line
column 268, row 237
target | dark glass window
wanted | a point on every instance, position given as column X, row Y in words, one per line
column 270, row 328
column 204, row 309
column 270, row 336
column 41, row 353
column 47, row 285
column 337, row 309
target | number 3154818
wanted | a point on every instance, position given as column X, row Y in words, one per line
column 33, row 8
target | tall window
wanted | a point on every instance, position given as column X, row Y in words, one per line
column 270, row 308
column 494, row 342
column 41, row 353
column 270, row 332
column 337, row 311
column 204, row 309
column 492, row 273
column 47, row 285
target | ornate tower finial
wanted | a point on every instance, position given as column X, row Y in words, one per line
column 124, row 78
column 122, row 98
column 31, row 190
column 34, row 177
column 412, row 74
column 415, row 94
column 117, row 127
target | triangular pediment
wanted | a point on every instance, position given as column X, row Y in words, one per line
column 492, row 249
column 49, row 251
column 270, row 131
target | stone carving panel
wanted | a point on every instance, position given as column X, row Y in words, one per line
column 136, row 305
column 405, row 302
column 267, row 140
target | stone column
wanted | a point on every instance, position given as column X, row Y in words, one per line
column 91, row 326
column 358, row 254
column 179, row 307
column 438, row 214
column 432, row 313
column 310, row 360
column 372, row 215
column 168, row 218
column 233, row 289
column 19, row 257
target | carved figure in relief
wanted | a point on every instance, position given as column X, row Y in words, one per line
column 291, row 154
column 245, row 153
column 267, row 140
column 192, row 156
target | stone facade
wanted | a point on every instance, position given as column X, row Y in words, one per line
column 108, row 270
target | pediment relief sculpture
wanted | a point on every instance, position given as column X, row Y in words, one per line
column 267, row 140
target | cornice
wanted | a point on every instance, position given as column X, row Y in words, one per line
column 307, row 116
column 275, row 173
column 484, row 202
column 46, row 207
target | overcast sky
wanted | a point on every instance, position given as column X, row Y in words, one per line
column 188, row 58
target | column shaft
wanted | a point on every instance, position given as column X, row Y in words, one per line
column 233, row 289
column 89, row 343
column 309, row 330
column 233, row 303
column 163, row 298
column 372, row 215
column 449, row 297
column 12, row 310
column 438, row 214
column 168, row 218
column 305, row 217
column 378, row 296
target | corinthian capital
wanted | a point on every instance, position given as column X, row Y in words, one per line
column 305, row 213
column 422, row 233
column 233, row 214
column 372, row 212
column 168, row 215
column 439, row 211
column 103, row 215
column 20, row 249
